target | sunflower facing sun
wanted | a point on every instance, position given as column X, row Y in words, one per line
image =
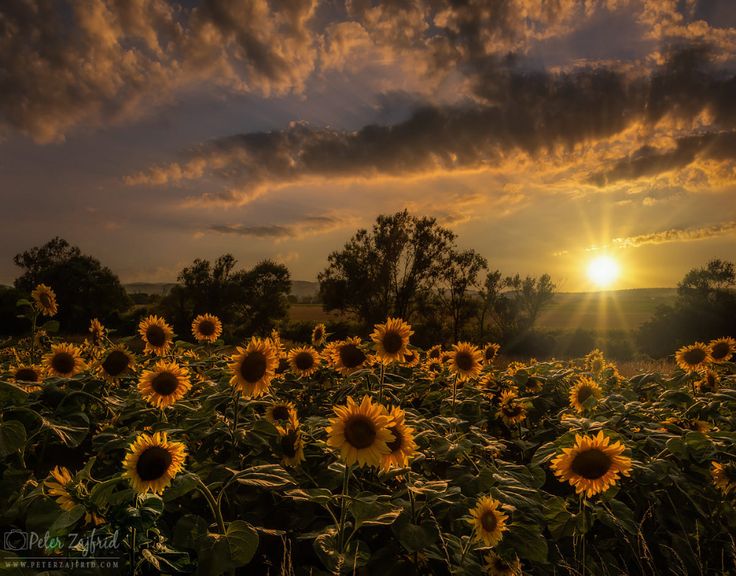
column 488, row 522
column 303, row 361
column 166, row 384
column 584, row 394
column 693, row 357
column 156, row 334
column 206, row 328
column 152, row 462
column 253, row 367
column 466, row 360
column 592, row 465
column 64, row 361
column 391, row 340
column 722, row 349
column 360, row 432
column 116, row 363
column 44, row 300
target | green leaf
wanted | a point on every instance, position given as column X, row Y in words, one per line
column 52, row 326
column 373, row 513
column 190, row 531
column 528, row 542
column 224, row 552
column 618, row 515
column 12, row 394
column 12, row 437
column 66, row 520
column 560, row 522
column 320, row 496
column 266, row 476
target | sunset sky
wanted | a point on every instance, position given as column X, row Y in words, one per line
column 153, row 132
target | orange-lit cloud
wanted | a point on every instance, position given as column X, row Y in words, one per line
column 676, row 235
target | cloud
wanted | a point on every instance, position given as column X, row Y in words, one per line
column 676, row 235
column 306, row 226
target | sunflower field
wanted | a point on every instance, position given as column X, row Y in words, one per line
column 360, row 456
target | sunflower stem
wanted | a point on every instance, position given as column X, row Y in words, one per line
column 34, row 317
column 132, row 551
column 584, row 534
column 466, row 547
column 236, row 414
column 380, row 383
column 343, row 509
column 214, row 505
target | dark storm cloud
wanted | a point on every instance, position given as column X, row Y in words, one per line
column 304, row 226
column 514, row 110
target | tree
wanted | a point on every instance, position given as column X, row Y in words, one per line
column 84, row 288
column 246, row 301
column 705, row 308
column 460, row 275
column 385, row 271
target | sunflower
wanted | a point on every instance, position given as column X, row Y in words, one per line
column 488, row 521
column 60, row 487
column 693, row 357
column 592, row 465
column 585, row 389
column 206, row 328
column 44, row 300
column 511, row 410
column 348, row 356
column 402, row 447
column 466, row 360
column 533, row 384
column 152, row 462
column 709, row 382
column 319, row 335
column 724, row 477
column 687, row 424
column 490, row 351
column 433, row 367
column 411, row 358
column 304, row 361
column 64, row 360
column 391, row 339
column 595, row 362
column 291, row 444
column 281, row 412
column 97, row 331
column 514, row 367
column 116, row 363
column 722, row 349
column 165, row 384
column 156, row 334
column 435, row 352
column 360, row 432
column 254, row 367
column 497, row 566
column 27, row 374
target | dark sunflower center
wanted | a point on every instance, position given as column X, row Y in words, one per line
column 153, row 463
column 490, row 354
column 317, row 336
column 584, row 393
column 720, row 350
column 392, row 342
column 206, row 327
column 464, row 361
column 281, row 412
column 694, row 356
column 591, row 464
column 26, row 374
column 288, row 444
column 155, row 335
column 511, row 410
column 116, row 363
column 398, row 441
column 304, row 361
column 489, row 521
column 351, row 356
column 165, row 383
column 63, row 362
column 435, row 354
column 253, row 367
column 360, row 431
column 409, row 357
column 45, row 299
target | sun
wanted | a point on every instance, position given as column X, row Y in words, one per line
column 603, row 271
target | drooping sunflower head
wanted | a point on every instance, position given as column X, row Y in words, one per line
column 116, row 363
column 391, row 340
column 165, row 384
column 495, row 565
column 693, row 357
column 724, row 476
column 156, row 334
column 411, row 358
column 291, row 444
column 489, row 523
column 319, row 335
column 592, row 465
column 435, row 352
column 282, row 413
column 709, row 382
column 206, row 328
column 584, row 393
column 490, row 351
column 64, row 360
column 253, row 367
column 303, row 361
column 466, row 360
column 44, row 300
column 60, row 486
column 595, row 361
column 97, row 331
column 153, row 461
column 360, row 432
column 722, row 349
column 402, row 447
column 511, row 409
column 348, row 356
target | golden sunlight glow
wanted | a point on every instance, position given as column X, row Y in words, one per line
column 603, row 271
